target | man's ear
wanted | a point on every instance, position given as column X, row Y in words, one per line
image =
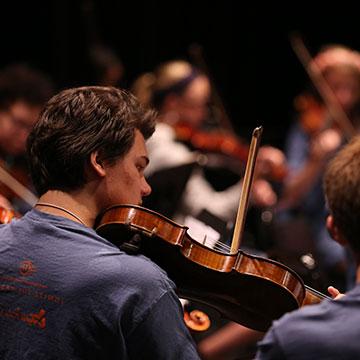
column 96, row 164
column 334, row 231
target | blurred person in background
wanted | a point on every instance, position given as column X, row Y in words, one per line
column 314, row 138
column 23, row 92
column 181, row 93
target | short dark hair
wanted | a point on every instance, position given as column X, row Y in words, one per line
column 342, row 191
column 76, row 122
column 19, row 82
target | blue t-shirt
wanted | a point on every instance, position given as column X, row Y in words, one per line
column 329, row 330
column 67, row 293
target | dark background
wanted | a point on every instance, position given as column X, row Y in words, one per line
column 246, row 45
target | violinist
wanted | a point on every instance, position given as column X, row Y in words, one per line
column 313, row 139
column 23, row 92
column 181, row 93
column 65, row 289
column 330, row 329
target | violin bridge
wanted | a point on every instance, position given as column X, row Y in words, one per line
column 204, row 241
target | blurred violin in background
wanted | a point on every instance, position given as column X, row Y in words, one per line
column 312, row 114
column 15, row 183
column 333, row 107
column 230, row 146
column 212, row 141
column 224, row 140
column 6, row 215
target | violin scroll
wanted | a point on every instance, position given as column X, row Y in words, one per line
column 197, row 320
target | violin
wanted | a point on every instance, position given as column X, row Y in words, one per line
column 6, row 215
column 312, row 115
column 14, row 183
column 221, row 143
column 238, row 286
column 245, row 288
column 315, row 112
column 212, row 141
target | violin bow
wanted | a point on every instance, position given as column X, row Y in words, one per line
column 18, row 188
column 245, row 191
column 336, row 111
column 196, row 52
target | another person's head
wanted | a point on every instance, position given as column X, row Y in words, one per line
column 88, row 130
column 180, row 92
column 342, row 191
column 340, row 67
column 107, row 66
column 23, row 92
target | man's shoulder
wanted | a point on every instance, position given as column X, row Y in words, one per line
column 138, row 270
column 304, row 315
column 315, row 321
column 310, row 330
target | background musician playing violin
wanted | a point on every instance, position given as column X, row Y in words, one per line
column 330, row 329
column 313, row 139
column 181, row 93
column 65, row 290
column 23, row 92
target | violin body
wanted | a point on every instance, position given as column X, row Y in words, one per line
column 228, row 147
column 212, row 141
column 247, row 289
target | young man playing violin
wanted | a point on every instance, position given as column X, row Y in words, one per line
column 330, row 329
column 66, row 292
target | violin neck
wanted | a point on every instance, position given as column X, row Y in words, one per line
column 313, row 296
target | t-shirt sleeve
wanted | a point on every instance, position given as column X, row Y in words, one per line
column 269, row 348
column 162, row 333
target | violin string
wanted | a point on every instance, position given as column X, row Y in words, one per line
column 220, row 246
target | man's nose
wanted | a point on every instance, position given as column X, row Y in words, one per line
column 146, row 189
